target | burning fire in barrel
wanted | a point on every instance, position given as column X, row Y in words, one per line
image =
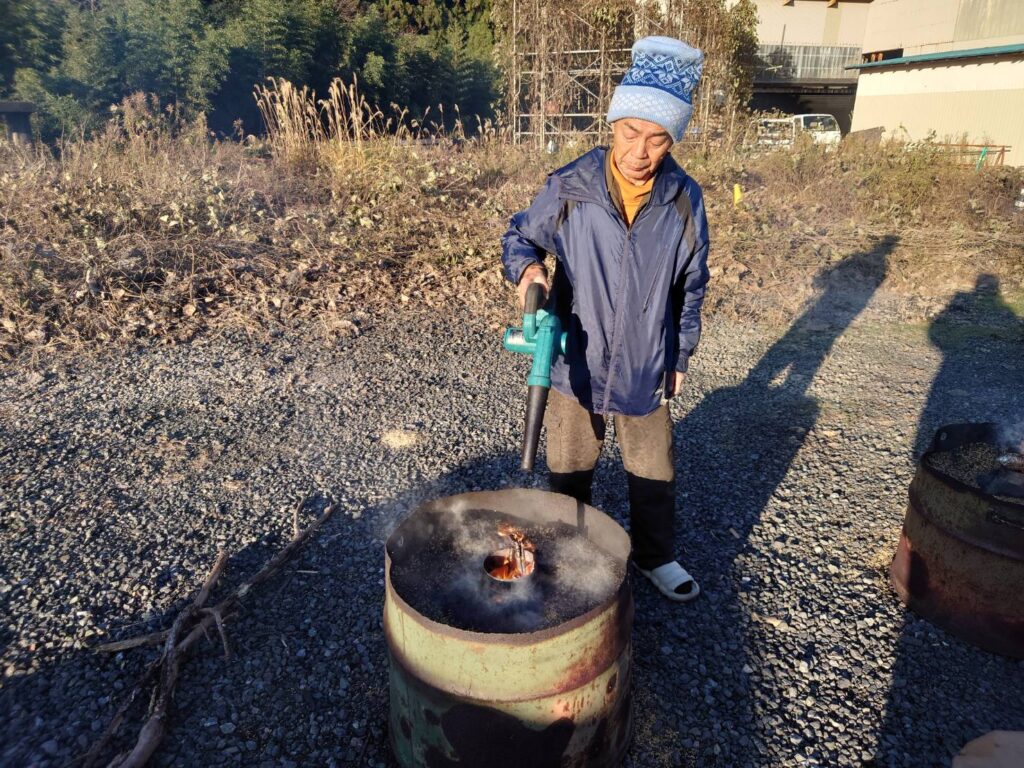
column 960, row 559
column 513, row 562
column 508, row 616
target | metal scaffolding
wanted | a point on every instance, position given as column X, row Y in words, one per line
column 575, row 101
column 564, row 68
column 565, row 57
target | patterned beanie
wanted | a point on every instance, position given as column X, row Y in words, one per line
column 659, row 84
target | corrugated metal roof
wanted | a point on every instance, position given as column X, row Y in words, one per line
column 967, row 53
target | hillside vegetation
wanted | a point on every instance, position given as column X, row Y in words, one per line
column 75, row 59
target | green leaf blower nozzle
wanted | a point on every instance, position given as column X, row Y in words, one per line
column 542, row 337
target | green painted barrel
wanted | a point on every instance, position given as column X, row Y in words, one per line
column 557, row 697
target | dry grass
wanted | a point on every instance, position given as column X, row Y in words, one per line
column 805, row 209
column 154, row 229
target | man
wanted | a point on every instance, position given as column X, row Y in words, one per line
column 628, row 230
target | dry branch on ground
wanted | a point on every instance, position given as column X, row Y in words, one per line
column 192, row 623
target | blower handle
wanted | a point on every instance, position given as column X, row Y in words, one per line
column 536, row 295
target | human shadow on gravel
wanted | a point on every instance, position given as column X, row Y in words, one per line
column 732, row 452
column 937, row 678
column 977, row 332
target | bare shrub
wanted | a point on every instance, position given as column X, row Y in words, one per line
column 155, row 230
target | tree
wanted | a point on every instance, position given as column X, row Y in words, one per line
column 29, row 38
column 172, row 51
column 372, row 57
column 743, row 32
column 77, row 58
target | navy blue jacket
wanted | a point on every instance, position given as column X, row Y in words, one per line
column 629, row 297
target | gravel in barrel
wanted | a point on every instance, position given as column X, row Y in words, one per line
column 977, row 465
column 967, row 463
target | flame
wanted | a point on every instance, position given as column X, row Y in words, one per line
column 507, row 568
column 515, row 561
column 518, row 536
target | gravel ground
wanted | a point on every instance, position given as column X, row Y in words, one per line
column 122, row 475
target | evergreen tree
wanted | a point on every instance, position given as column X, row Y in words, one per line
column 29, row 38
column 371, row 56
column 75, row 59
column 171, row 51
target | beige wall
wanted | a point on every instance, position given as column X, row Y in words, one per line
column 927, row 26
column 982, row 98
column 812, row 22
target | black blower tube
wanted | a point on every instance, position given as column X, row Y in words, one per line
column 536, row 402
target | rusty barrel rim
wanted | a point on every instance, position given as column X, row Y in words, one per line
column 572, row 650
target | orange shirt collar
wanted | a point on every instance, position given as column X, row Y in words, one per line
column 633, row 196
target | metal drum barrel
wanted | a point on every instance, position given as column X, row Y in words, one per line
column 960, row 559
column 556, row 697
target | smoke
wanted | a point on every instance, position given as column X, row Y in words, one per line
column 440, row 571
column 387, row 517
column 571, row 576
column 573, row 563
column 514, row 607
column 472, row 537
column 579, row 569
column 1011, row 436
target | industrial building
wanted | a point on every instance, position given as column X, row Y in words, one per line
column 804, row 48
column 952, row 70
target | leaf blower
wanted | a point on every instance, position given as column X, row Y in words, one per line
column 542, row 337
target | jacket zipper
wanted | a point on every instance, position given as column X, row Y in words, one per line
column 654, row 280
column 613, row 354
column 628, row 229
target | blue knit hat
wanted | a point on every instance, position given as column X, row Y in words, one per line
column 659, row 84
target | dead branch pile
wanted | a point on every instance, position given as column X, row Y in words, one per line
column 192, row 623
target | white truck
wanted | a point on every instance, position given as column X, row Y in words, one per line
column 782, row 132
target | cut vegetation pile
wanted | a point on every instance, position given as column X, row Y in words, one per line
column 153, row 229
